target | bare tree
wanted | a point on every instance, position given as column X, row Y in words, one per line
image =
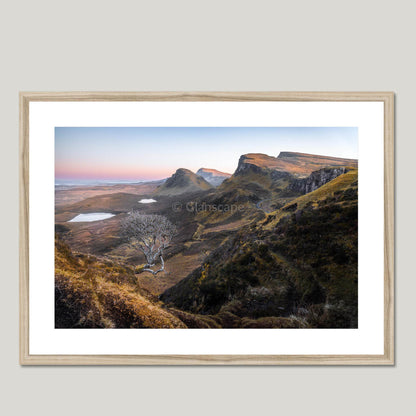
column 150, row 234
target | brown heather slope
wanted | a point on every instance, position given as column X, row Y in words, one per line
column 95, row 293
column 90, row 293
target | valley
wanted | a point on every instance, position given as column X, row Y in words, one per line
column 273, row 245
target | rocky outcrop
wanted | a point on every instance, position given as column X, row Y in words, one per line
column 245, row 166
column 260, row 164
column 254, row 162
column 316, row 179
column 300, row 165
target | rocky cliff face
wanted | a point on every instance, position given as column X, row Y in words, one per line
column 299, row 165
column 255, row 162
column 316, row 179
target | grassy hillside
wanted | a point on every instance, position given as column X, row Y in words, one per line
column 253, row 186
column 90, row 293
column 341, row 190
column 299, row 263
column 286, row 258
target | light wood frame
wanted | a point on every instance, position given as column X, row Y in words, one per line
column 386, row 359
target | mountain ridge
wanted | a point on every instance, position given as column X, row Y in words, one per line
column 297, row 164
column 286, row 154
column 183, row 181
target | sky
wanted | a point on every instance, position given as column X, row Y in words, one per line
column 150, row 153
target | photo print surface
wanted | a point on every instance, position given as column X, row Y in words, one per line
column 206, row 227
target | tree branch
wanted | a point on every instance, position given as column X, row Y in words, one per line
column 151, row 234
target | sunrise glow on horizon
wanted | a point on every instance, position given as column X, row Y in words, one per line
column 154, row 153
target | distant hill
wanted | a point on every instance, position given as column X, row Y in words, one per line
column 70, row 194
column 183, row 181
column 213, row 176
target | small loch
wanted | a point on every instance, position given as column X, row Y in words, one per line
column 147, row 201
column 94, row 216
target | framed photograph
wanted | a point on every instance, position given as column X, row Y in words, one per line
column 226, row 228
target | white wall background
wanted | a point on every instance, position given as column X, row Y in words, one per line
column 320, row 45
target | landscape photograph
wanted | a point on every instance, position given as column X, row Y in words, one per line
column 206, row 227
